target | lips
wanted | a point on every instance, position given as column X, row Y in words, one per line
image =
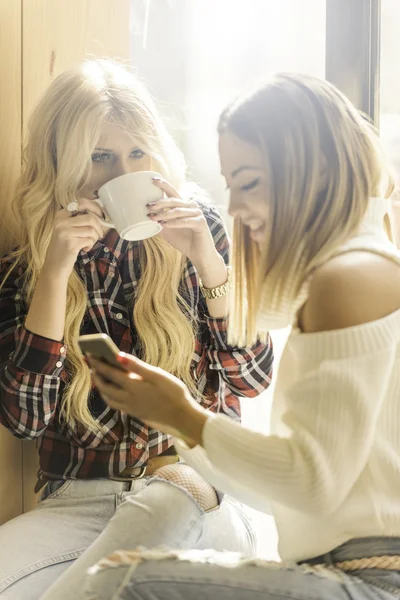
column 258, row 233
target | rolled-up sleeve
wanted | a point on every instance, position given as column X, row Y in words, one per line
column 30, row 366
column 246, row 371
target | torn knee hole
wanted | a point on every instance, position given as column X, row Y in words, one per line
column 229, row 560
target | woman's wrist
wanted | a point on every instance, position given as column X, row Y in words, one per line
column 213, row 271
column 57, row 276
column 192, row 425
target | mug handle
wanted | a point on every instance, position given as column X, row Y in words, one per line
column 103, row 221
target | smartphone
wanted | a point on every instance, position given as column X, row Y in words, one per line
column 101, row 346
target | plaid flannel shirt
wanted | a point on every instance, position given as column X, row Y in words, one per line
column 33, row 371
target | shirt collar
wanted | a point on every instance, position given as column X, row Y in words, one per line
column 111, row 243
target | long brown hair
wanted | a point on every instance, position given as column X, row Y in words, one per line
column 304, row 127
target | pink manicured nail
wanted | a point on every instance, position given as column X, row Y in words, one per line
column 121, row 357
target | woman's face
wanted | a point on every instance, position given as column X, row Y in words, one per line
column 116, row 153
column 242, row 167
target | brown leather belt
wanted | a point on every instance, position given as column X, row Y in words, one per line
column 147, row 470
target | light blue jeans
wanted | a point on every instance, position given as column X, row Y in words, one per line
column 79, row 522
column 210, row 576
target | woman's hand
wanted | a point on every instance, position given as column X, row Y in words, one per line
column 73, row 232
column 152, row 395
column 185, row 227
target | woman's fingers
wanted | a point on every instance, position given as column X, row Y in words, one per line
column 166, row 187
column 167, row 203
column 176, row 213
column 139, row 367
column 84, row 221
column 183, row 223
column 116, row 376
column 114, row 396
column 91, row 206
column 133, row 368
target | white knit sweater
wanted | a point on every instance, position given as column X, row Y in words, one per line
column 330, row 470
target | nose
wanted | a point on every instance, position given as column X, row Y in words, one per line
column 122, row 167
column 236, row 208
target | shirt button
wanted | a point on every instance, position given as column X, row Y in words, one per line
column 62, row 350
column 106, row 249
column 119, row 316
column 58, row 364
column 139, row 446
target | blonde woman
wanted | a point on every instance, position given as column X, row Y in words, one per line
column 312, row 251
column 69, row 276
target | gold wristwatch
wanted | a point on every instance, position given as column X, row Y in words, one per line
column 220, row 290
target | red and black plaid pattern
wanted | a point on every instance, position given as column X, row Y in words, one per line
column 33, row 371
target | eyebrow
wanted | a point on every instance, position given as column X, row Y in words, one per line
column 244, row 168
column 111, row 150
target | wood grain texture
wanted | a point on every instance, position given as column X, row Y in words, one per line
column 11, row 476
column 30, row 468
column 10, row 165
column 59, row 34
column 10, row 114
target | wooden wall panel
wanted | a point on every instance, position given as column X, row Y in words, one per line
column 10, row 113
column 57, row 35
column 10, row 164
column 11, row 476
column 30, row 466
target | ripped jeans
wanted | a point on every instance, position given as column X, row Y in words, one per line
column 185, row 575
column 49, row 549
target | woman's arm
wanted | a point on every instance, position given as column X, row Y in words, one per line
column 46, row 315
column 307, row 470
column 30, row 366
column 32, row 353
column 245, row 371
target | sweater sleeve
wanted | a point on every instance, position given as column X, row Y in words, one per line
column 329, row 422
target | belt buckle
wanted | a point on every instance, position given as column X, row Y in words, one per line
column 142, row 473
column 130, row 477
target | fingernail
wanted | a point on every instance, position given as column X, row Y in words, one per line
column 121, row 357
column 157, row 179
column 151, row 203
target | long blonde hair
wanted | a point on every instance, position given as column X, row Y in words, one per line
column 323, row 162
column 62, row 135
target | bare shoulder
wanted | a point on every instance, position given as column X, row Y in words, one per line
column 351, row 289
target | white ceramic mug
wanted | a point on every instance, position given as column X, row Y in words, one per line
column 125, row 198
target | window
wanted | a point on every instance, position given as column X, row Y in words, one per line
column 390, row 91
column 200, row 54
column 196, row 56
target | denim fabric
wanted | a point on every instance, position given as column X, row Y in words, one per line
column 212, row 575
column 80, row 521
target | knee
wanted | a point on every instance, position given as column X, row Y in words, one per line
column 184, row 476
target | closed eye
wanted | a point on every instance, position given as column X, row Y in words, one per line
column 251, row 185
